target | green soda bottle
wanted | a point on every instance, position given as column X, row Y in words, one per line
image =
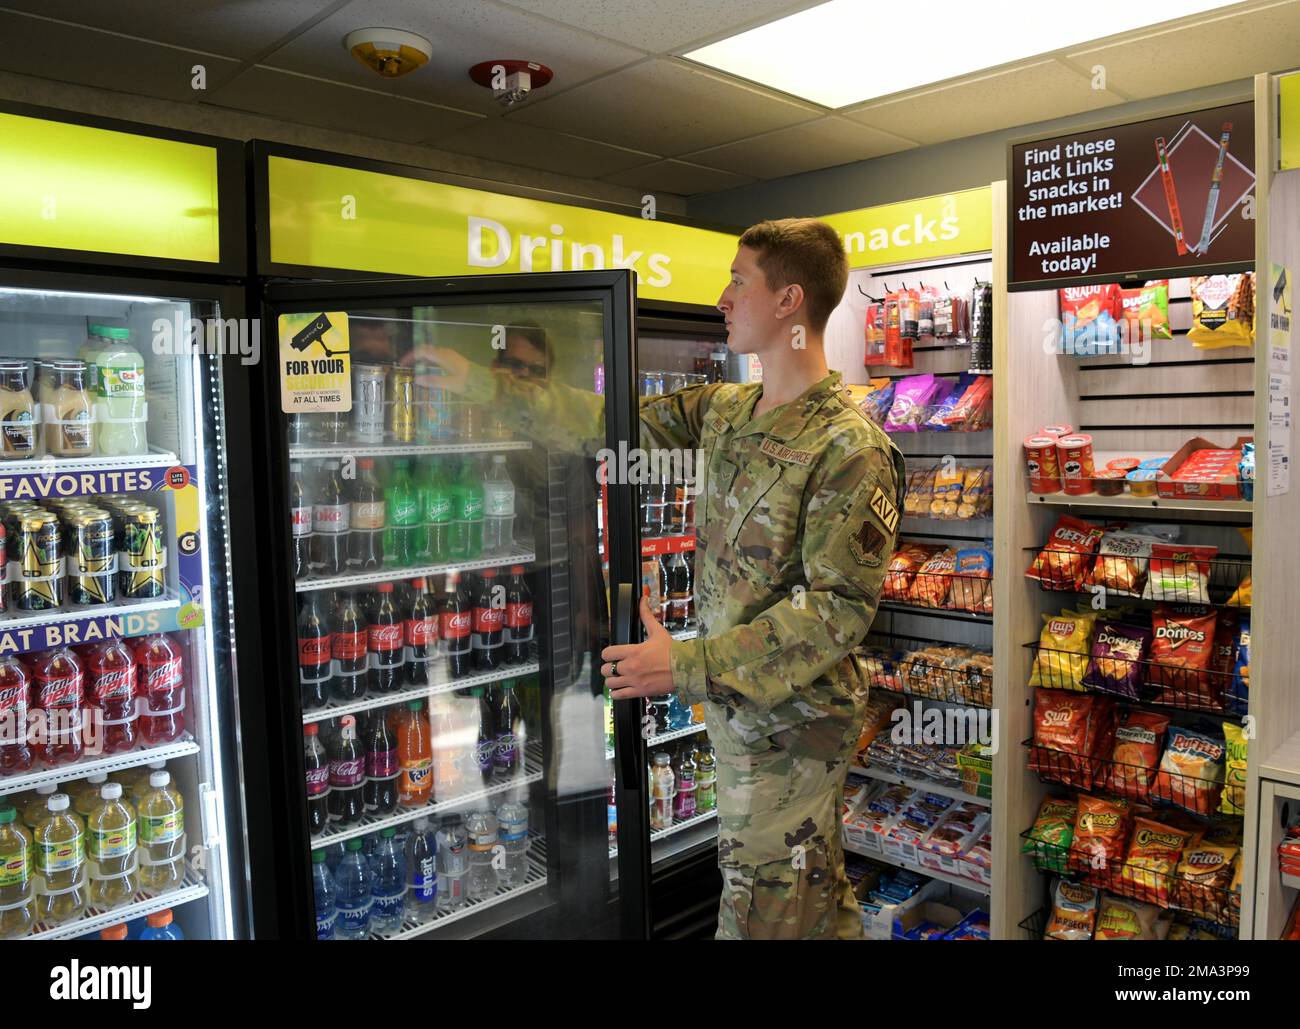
column 60, row 860
column 436, row 503
column 471, row 508
column 17, row 907
column 403, row 516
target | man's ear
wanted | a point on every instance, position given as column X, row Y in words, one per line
column 791, row 301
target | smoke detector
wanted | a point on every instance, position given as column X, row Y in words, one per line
column 510, row 79
column 389, row 52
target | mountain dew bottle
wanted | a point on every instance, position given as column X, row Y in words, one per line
column 436, row 503
column 403, row 516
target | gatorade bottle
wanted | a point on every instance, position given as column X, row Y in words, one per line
column 60, row 863
column 161, row 825
column 421, row 872
column 403, row 512
column 415, row 755
column 161, row 927
column 121, row 413
column 114, row 932
column 111, row 849
column 17, row 907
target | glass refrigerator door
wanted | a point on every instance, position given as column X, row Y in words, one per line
column 115, row 661
column 450, row 609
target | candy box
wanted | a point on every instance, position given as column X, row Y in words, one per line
column 927, row 921
column 977, row 863
column 1204, row 470
column 879, row 919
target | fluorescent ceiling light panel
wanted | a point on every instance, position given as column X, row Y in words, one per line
column 848, row 51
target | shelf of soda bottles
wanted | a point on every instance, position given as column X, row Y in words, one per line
column 145, row 903
column 335, row 709
column 656, row 546
column 44, row 467
column 182, row 747
column 676, row 827
column 119, row 610
column 341, row 450
column 897, row 779
column 518, row 555
column 534, row 880
column 685, row 634
column 530, row 773
column 675, row 734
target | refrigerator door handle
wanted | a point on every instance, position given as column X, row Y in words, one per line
column 626, row 623
column 210, row 816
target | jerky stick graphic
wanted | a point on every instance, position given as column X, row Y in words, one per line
column 1171, row 196
column 1211, row 205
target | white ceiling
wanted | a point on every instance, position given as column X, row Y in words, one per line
column 624, row 108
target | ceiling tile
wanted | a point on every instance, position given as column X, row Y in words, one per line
column 1234, row 46
column 48, row 49
column 233, row 28
column 678, row 177
column 664, row 25
column 666, row 106
column 1019, row 96
column 297, row 98
column 463, row 33
column 512, row 142
column 800, row 148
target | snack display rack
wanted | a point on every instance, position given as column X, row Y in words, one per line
column 1140, row 409
column 937, row 611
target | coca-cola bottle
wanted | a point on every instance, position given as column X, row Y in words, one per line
column 385, row 642
column 381, row 767
column 421, row 637
column 677, row 577
column 59, row 692
column 489, row 621
column 314, row 641
column 486, row 748
column 300, row 508
column 111, row 688
column 160, row 683
column 330, row 516
column 15, row 701
column 318, row 778
column 348, row 649
column 455, row 625
column 366, row 526
column 347, row 774
column 519, row 617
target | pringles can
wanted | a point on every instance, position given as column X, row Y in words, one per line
column 40, row 583
column 401, row 410
column 1075, row 456
column 1056, row 430
column 1044, row 468
column 92, row 558
column 146, row 555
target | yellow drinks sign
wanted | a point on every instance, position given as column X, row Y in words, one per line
column 329, row 216
column 914, row 230
column 1289, row 110
column 74, row 187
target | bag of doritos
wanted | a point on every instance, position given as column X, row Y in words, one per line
column 1117, row 660
column 1063, row 564
column 1182, row 649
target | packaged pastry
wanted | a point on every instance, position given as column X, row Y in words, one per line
column 1118, row 651
column 1064, row 563
column 972, row 584
column 1182, row 648
column 1074, row 911
column 1049, row 839
column 976, row 492
column 1191, row 771
column 1063, row 652
column 1223, row 310
column 920, row 491
column 933, row 579
column 1179, row 573
column 1152, row 859
column 945, row 495
column 1139, row 741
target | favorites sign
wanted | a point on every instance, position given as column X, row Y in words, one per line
column 1170, row 195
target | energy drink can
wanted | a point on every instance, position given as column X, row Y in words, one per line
column 145, row 553
column 92, row 558
column 401, row 410
column 40, row 583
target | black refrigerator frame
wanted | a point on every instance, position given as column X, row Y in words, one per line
column 292, row 915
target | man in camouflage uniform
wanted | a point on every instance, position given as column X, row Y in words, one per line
column 801, row 496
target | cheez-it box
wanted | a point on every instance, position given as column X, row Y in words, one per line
column 1202, row 470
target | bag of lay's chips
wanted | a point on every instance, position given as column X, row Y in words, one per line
column 1063, row 653
column 1145, row 312
column 1223, row 311
column 1233, row 801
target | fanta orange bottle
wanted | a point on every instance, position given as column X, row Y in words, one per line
column 415, row 755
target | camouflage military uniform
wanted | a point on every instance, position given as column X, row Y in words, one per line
column 796, row 522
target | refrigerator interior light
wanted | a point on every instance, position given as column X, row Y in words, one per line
column 838, row 53
column 118, row 297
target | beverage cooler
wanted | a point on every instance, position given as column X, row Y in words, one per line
column 118, row 765
column 436, row 559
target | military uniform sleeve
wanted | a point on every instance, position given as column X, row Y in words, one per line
column 850, row 529
column 565, row 418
